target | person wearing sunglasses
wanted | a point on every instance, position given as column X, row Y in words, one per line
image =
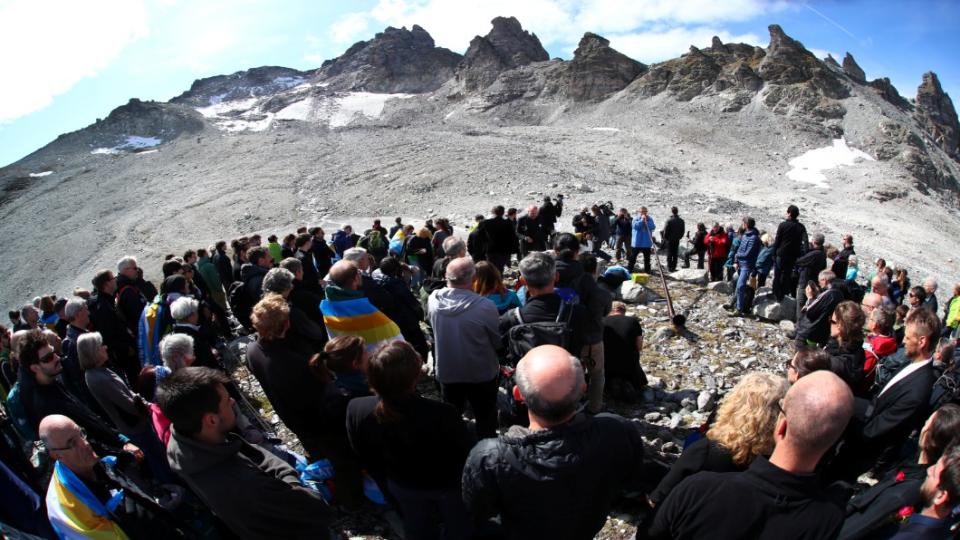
column 44, row 394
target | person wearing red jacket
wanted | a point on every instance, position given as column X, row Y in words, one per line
column 718, row 243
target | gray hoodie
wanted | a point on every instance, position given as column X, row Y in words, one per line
column 466, row 336
column 255, row 493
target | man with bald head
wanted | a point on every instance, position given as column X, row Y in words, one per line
column 779, row 497
column 466, row 340
column 89, row 498
column 346, row 311
column 557, row 477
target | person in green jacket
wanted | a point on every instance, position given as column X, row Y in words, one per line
column 208, row 271
column 275, row 249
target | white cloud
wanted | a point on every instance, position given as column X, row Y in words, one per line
column 650, row 47
column 49, row 46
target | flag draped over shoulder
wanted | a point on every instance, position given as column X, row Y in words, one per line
column 75, row 512
column 358, row 317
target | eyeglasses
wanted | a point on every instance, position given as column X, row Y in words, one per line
column 49, row 357
column 788, row 365
column 72, row 443
column 867, row 306
column 780, row 407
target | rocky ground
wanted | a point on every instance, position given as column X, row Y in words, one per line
column 689, row 373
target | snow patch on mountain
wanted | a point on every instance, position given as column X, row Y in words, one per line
column 132, row 143
column 40, row 174
column 809, row 166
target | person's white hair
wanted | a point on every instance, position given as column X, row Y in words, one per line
column 183, row 307
column 930, row 284
column 26, row 310
column 278, row 280
column 454, row 246
column 355, row 254
column 555, row 409
column 88, row 345
column 73, row 307
column 125, row 263
column 174, row 350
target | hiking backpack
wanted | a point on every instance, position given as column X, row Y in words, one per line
column 524, row 336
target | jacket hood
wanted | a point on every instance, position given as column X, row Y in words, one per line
column 248, row 270
column 189, row 457
column 883, row 345
column 450, row 301
column 569, row 271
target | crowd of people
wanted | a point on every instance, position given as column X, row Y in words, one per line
column 122, row 417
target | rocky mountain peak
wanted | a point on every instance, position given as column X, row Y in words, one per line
column 936, row 114
column 851, row 68
column 252, row 82
column 597, row 70
column 506, row 46
column 831, row 61
column 717, row 45
column 396, row 60
column 514, row 45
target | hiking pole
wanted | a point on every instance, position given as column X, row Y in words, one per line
column 679, row 321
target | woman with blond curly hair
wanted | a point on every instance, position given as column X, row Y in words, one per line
column 742, row 431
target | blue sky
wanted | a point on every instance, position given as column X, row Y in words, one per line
column 73, row 62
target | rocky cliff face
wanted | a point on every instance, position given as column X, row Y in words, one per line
column 506, row 46
column 261, row 81
column 595, row 72
column 936, row 114
column 394, row 61
column 852, row 69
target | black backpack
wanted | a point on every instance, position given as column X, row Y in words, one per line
column 524, row 336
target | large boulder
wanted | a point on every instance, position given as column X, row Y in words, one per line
column 690, row 275
column 722, row 287
column 634, row 293
column 765, row 305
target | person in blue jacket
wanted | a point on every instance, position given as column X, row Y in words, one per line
column 764, row 260
column 642, row 240
column 746, row 261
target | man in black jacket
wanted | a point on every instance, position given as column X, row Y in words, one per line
column 530, row 231
column 305, row 254
column 301, row 297
column 789, row 245
column 225, row 471
column 130, row 301
column 810, row 264
column 842, row 261
column 224, row 265
column 557, row 478
column 498, row 237
column 548, row 216
column 43, row 395
column 813, row 325
column 539, row 272
column 116, row 335
column 322, row 253
column 779, row 497
column 672, row 234
column 883, row 424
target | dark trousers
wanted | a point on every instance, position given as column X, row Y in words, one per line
column 424, row 511
column 700, row 254
column 599, row 252
column 716, row 269
column 633, row 259
column 622, row 246
column 499, row 260
column 783, row 277
column 483, row 401
column 673, row 253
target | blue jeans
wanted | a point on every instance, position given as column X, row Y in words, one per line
column 745, row 271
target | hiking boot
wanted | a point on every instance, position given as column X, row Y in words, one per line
column 729, row 307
